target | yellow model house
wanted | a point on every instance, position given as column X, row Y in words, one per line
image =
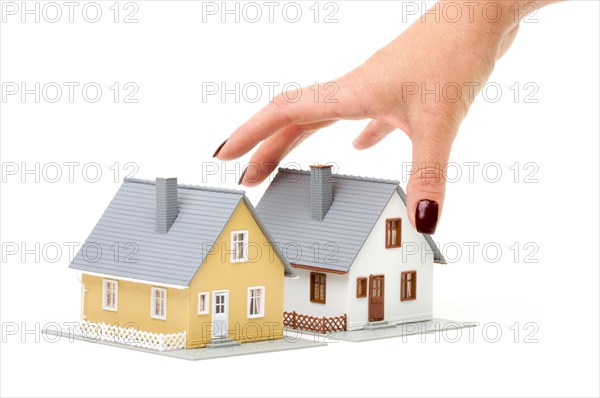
column 172, row 266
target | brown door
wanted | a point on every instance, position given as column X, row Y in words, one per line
column 376, row 294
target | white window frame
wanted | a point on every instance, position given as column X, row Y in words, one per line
column 206, row 303
column 105, row 287
column 263, row 302
column 152, row 307
column 244, row 247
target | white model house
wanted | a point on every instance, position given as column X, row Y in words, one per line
column 360, row 264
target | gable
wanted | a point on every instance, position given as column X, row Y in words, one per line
column 263, row 261
column 413, row 246
column 438, row 257
column 260, row 248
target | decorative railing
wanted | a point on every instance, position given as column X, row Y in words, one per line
column 314, row 324
column 131, row 336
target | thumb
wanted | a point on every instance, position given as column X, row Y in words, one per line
column 427, row 184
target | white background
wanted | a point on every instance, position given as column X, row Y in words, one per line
column 171, row 131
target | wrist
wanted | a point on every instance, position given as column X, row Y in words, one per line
column 485, row 16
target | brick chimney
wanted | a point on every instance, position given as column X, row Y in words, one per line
column 166, row 204
column 321, row 191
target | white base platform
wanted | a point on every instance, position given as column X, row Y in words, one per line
column 405, row 329
column 198, row 354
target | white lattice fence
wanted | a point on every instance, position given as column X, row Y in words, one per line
column 131, row 336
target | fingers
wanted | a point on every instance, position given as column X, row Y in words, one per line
column 432, row 142
column 275, row 148
column 427, row 184
column 308, row 105
column 372, row 134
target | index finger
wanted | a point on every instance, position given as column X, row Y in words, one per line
column 307, row 105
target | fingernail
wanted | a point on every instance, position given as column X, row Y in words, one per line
column 426, row 216
column 219, row 149
column 242, row 176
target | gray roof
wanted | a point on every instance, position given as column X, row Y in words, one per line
column 172, row 258
column 357, row 204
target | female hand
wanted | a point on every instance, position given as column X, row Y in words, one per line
column 422, row 83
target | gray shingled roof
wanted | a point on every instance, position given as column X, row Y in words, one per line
column 172, row 258
column 357, row 204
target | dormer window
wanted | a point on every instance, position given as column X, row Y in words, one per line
column 393, row 233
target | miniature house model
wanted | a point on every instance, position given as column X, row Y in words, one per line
column 360, row 264
column 171, row 266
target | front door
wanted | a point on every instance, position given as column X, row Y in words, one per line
column 220, row 314
column 376, row 295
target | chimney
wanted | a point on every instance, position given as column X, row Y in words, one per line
column 321, row 191
column 166, row 204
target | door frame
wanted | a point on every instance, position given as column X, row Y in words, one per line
column 371, row 316
column 216, row 332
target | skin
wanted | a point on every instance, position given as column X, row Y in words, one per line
column 432, row 50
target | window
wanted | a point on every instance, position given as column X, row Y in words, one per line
column 393, row 232
column 408, row 286
column 361, row 287
column 219, row 300
column 158, row 304
column 256, row 302
column 317, row 287
column 239, row 246
column 202, row 303
column 110, row 295
column 377, row 286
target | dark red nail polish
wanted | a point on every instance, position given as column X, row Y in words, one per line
column 426, row 216
column 219, row 148
column 242, row 176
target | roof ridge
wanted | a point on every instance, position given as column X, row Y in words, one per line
column 345, row 176
column 187, row 186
